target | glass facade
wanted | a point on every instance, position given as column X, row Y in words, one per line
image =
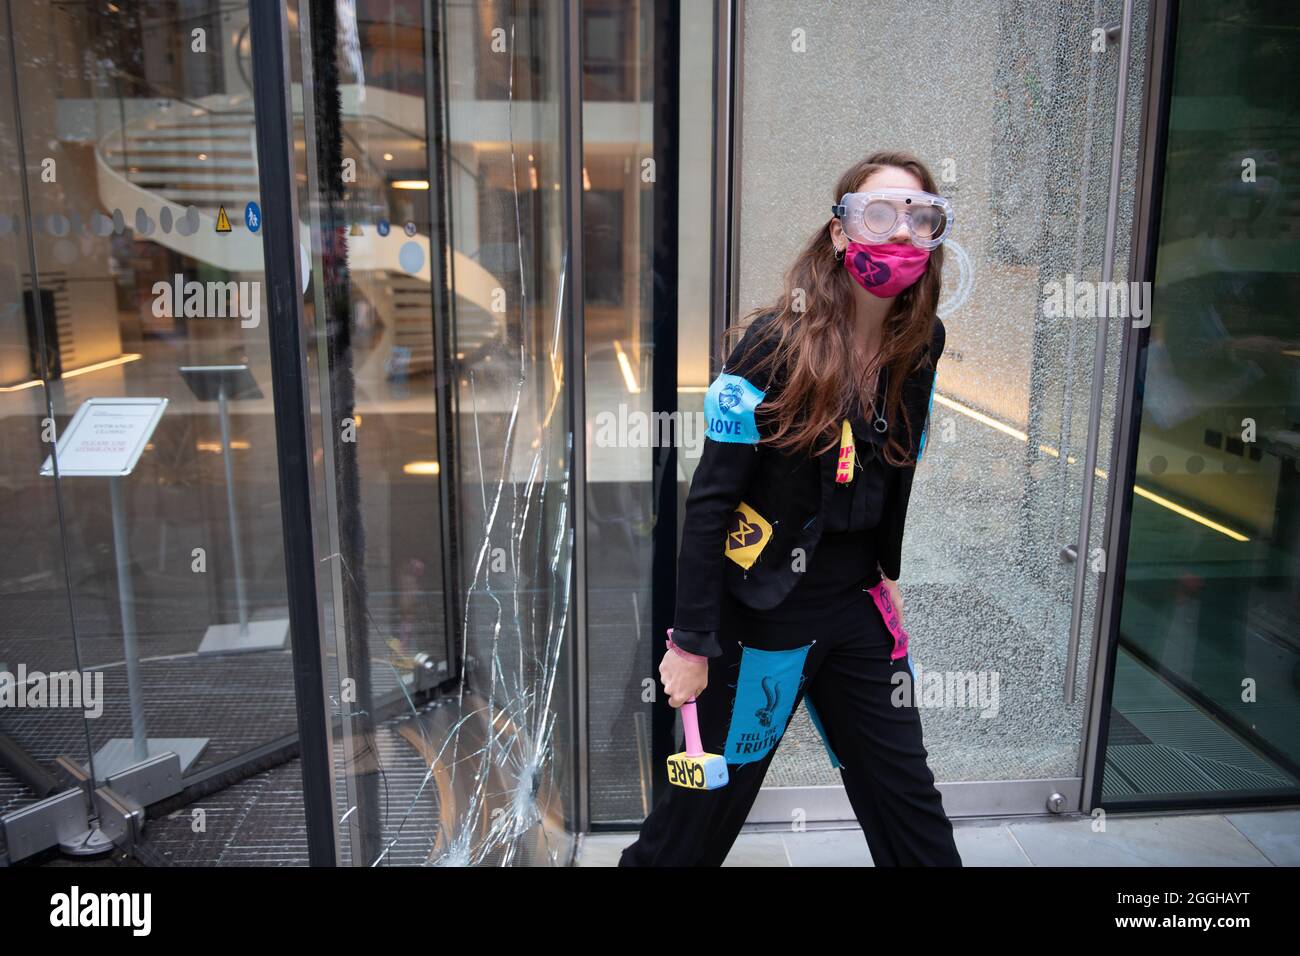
column 521, row 227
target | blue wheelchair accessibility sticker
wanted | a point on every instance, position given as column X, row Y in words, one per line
column 729, row 409
column 765, row 694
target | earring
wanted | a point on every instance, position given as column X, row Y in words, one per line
column 839, row 254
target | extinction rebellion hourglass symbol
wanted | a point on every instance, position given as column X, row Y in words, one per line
column 742, row 533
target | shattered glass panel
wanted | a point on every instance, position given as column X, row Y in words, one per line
column 436, row 198
column 513, row 434
column 1015, row 118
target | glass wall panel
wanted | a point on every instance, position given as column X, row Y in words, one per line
column 146, row 297
column 632, row 306
column 1012, row 109
column 434, row 199
column 37, row 638
column 1207, row 670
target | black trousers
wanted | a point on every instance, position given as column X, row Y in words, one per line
column 838, row 662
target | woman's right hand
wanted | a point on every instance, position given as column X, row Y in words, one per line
column 682, row 678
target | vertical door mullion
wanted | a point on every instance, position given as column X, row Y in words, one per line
column 572, row 273
column 665, row 62
column 446, row 375
column 268, row 31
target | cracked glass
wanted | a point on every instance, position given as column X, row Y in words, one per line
column 440, row 318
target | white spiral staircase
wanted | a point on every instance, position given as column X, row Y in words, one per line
column 180, row 163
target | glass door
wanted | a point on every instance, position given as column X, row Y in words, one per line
column 435, row 200
column 37, row 640
column 1015, row 113
column 1206, row 689
column 147, row 554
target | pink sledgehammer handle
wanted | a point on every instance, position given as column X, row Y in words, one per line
column 691, row 725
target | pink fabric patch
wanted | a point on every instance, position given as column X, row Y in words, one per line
column 885, row 605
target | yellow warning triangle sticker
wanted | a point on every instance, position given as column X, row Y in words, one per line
column 356, row 229
column 223, row 221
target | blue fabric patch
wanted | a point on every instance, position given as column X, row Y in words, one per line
column 925, row 430
column 729, row 409
column 817, row 722
column 765, row 693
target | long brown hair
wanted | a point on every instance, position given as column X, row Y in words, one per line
column 814, row 350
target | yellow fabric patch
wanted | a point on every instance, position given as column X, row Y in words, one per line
column 748, row 533
column 844, row 470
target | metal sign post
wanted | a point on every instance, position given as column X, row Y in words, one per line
column 105, row 440
column 222, row 384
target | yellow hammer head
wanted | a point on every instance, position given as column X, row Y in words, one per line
column 700, row 772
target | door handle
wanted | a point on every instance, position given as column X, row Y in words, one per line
column 1099, row 359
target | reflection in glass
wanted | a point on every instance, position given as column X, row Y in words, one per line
column 1207, row 673
column 630, row 307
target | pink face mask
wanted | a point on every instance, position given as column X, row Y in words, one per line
column 885, row 269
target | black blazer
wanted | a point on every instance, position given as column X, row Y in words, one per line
column 783, row 495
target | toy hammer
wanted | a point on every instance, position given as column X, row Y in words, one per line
column 694, row 769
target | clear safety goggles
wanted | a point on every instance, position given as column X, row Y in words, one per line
column 875, row 216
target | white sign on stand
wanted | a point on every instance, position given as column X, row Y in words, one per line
column 105, row 439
